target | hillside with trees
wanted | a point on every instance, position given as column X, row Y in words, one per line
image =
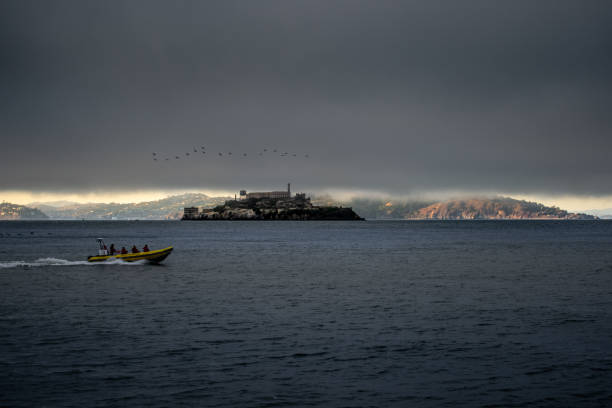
column 493, row 208
column 459, row 209
column 9, row 211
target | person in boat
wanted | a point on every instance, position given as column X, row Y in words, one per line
column 134, row 249
column 123, row 251
column 145, row 248
column 112, row 249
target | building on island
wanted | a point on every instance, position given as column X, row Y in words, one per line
column 270, row 205
column 275, row 195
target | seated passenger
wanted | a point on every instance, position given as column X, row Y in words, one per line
column 135, row 250
column 145, row 248
column 123, row 251
column 112, row 249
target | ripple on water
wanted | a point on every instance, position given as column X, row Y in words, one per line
column 310, row 314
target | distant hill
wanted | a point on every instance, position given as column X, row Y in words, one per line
column 466, row 209
column 493, row 208
column 166, row 208
column 10, row 211
column 172, row 208
column 605, row 214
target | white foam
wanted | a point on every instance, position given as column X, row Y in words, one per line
column 62, row 262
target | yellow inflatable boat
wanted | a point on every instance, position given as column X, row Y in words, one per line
column 155, row 256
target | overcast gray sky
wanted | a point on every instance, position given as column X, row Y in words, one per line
column 395, row 96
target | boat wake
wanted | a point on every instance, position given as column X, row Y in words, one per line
column 62, row 262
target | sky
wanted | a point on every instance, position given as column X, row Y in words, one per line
column 399, row 98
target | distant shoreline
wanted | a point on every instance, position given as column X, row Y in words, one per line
column 51, row 220
column 380, row 209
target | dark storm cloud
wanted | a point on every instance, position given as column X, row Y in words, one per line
column 396, row 96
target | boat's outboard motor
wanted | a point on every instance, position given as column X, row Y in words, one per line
column 102, row 251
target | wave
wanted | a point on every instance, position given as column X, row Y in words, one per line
column 62, row 262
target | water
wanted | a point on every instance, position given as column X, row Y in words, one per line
column 308, row 314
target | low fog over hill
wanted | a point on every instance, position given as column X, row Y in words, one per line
column 166, row 208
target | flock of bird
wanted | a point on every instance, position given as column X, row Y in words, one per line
column 203, row 153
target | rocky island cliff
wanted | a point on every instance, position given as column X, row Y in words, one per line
column 258, row 206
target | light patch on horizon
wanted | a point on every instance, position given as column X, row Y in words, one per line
column 571, row 203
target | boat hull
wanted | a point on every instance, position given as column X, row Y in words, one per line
column 151, row 256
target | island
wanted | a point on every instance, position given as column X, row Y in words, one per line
column 271, row 205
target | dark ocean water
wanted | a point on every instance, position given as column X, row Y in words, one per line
column 334, row 314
